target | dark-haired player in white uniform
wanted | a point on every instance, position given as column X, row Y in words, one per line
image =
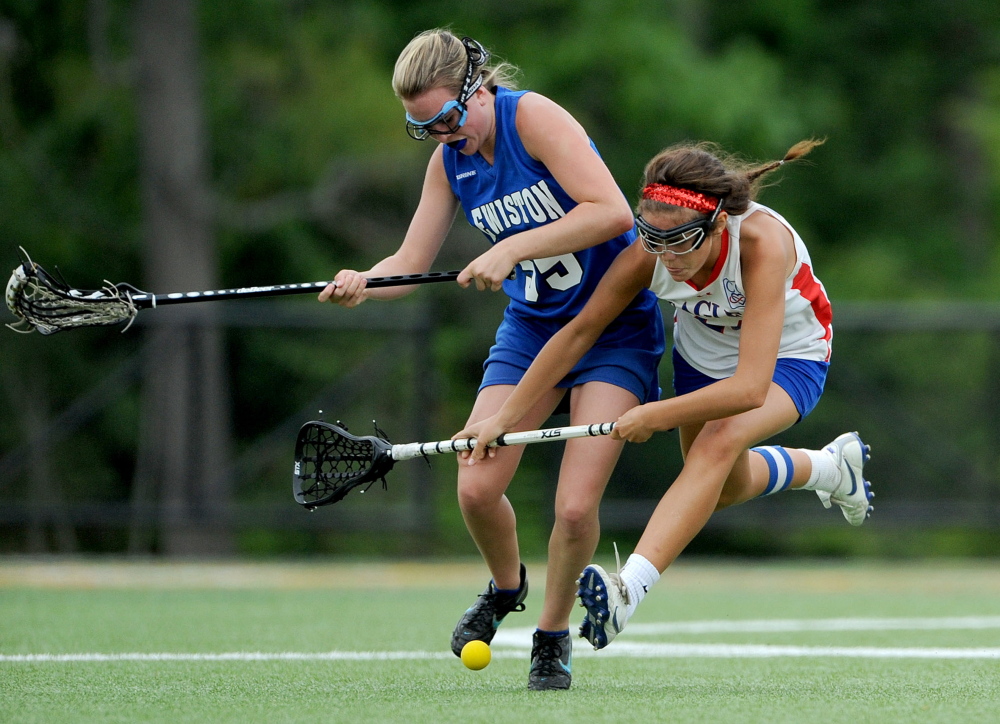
column 752, row 341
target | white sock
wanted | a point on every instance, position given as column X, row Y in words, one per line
column 825, row 472
column 638, row 575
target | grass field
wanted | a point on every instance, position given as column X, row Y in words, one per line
column 726, row 642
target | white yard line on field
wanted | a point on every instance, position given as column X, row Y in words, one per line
column 521, row 637
column 621, row 649
column 232, row 656
column 755, row 651
column 511, row 643
column 951, row 623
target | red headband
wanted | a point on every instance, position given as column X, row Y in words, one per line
column 680, row 197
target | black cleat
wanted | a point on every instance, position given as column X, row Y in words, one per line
column 551, row 661
column 480, row 623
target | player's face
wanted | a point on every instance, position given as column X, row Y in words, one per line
column 425, row 116
column 437, row 114
column 680, row 259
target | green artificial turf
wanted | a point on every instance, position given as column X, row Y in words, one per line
column 74, row 608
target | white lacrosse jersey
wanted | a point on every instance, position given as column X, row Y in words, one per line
column 707, row 321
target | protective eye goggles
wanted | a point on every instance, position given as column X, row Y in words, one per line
column 678, row 240
column 453, row 114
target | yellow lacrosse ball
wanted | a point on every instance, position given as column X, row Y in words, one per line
column 476, row 655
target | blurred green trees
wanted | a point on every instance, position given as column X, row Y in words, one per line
column 311, row 172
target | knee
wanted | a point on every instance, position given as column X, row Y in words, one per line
column 576, row 520
column 475, row 498
column 721, row 440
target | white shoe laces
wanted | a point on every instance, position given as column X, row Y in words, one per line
column 823, row 495
column 616, row 578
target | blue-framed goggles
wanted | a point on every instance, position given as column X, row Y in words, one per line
column 452, row 116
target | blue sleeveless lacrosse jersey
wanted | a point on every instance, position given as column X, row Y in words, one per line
column 517, row 193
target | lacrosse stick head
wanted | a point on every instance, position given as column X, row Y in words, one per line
column 330, row 462
column 46, row 304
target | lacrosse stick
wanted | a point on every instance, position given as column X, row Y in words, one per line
column 47, row 304
column 330, row 461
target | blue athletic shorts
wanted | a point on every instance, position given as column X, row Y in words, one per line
column 626, row 355
column 802, row 379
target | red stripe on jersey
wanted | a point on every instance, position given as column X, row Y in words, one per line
column 810, row 288
column 719, row 263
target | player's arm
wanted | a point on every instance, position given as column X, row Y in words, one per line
column 424, row 237
column 552, row 136
column 630, row 273
column 766, row 254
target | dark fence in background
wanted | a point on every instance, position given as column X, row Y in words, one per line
column 393, row 368
column 932, row 426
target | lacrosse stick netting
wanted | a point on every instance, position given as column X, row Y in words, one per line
column 330, row 462
column 48, row 305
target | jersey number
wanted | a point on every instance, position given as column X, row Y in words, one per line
column 571, row 275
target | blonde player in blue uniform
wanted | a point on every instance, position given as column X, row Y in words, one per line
column 752, row 342
column 526, row 175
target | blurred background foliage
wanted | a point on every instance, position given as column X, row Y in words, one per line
column 310, row 172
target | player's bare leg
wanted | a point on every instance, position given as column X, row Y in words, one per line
column 835, row 473
column 488, row 513
column 492, row 523
column 749, row 475
column 710, row 462
column 712, row 451
column 586, row 468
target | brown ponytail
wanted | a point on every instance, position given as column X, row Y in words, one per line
column 704, row 167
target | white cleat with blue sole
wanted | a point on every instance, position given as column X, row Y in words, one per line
column 854, row 494
column 606, row 599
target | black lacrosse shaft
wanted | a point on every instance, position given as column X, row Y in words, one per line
column 144, row 300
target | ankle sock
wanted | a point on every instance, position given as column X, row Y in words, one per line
column 552, row 634
column 825, row 474
column 638, row 575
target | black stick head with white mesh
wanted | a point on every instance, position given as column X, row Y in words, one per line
column 330, row 462
column 48, row 305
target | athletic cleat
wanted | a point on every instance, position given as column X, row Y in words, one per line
column 605, row 597
column 854, row 494
column 481, row 621
column 551, row 662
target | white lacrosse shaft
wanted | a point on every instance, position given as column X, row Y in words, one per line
column 422, row 449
